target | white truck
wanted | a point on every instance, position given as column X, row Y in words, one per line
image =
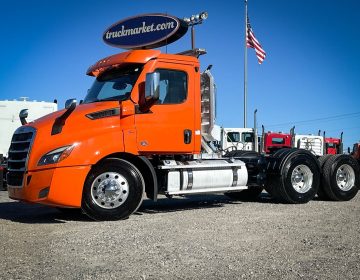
column 9, row 122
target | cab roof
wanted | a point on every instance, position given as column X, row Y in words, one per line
column 134, row 56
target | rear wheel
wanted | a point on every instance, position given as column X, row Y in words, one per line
column 321, row 192
column 113, row 190
column 341, row 178
column 298, row 178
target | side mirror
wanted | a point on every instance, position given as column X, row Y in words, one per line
column 70, row 102
column 152, row 86
column 23, row 115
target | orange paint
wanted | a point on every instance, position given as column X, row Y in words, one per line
column 159, row 131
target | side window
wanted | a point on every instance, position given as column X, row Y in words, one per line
column 248, row 137
column 233, row 137
column 173, row 86
column 278, row 140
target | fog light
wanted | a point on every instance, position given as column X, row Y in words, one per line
column 44, row 192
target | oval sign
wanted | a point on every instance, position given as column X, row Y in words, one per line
column 145, row 31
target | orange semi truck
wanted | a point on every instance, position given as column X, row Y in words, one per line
column 145, row 128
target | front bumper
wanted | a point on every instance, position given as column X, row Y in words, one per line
column 60, row 187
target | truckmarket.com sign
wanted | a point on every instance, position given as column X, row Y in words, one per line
column 145, row 31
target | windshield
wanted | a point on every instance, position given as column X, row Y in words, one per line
column 115, row 84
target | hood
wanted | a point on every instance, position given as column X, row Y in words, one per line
column 78, row 115
column 82, row 125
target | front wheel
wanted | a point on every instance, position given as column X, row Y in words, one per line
column 113, row 190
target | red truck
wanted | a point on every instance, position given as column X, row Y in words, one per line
column 273, row 141
column 333, row 146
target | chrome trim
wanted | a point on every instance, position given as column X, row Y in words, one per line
column 16, row 160
column 22, row 130
column 17, row 170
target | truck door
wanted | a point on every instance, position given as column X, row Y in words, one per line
column 169, row 125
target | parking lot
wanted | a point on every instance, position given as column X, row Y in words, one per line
column 199, row 237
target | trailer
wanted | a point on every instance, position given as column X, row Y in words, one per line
column 146, row 126
column 9, row 122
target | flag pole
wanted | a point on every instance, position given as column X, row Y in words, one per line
column 245, row 66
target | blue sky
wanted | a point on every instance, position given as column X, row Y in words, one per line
column 310, row 77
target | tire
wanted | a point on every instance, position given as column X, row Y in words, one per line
column 340, row 178
column 272, row 178
column 321, row 192
column 279, row 153
column 250, row 194
column 113, row 190
column 298, row 178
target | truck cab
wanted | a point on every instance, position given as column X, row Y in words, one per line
column 333, row 146
column 313, row 143
column 273, row 141
column 115, row 118
column 242, row 139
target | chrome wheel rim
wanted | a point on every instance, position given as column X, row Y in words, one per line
column 109, row 190
column 301, row 178
column 345, row 177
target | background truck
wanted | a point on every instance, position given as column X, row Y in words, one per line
column 230, row 139
column 270, row 142
column 147, row 126
column 9, row 122
column 318, row 145
column 333, row 146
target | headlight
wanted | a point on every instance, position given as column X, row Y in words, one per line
column 56, row 155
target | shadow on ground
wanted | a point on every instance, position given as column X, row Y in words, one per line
column 192, row 202
column 33, row 213
column 36, row 214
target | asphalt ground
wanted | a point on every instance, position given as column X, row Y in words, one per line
column 197, row 237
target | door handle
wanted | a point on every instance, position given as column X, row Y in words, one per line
column 187, row 136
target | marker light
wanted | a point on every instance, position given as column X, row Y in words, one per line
column 56, row 155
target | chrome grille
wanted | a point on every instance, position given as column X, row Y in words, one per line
column 18, row 155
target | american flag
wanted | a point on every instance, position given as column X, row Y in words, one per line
column 252, row 42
